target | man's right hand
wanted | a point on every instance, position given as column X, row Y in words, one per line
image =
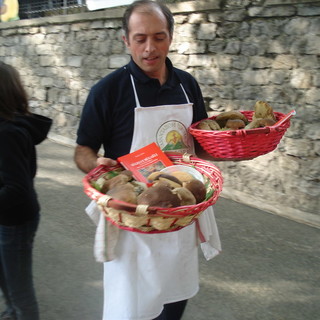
column 87, row 159
column 106, row 162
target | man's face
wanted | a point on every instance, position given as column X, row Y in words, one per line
column 149, row 41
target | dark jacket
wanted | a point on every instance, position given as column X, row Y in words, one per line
column 18, row 166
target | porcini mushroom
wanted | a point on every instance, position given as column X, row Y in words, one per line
column 123, row 192
column 197, row 188
column 159, row 195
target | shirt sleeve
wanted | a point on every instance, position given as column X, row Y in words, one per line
column 93, row 126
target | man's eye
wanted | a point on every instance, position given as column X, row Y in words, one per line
column 140, row 40
column 161, row 37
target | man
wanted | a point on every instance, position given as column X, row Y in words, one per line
column 152, row 275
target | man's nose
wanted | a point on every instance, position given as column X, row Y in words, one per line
column 150, row 45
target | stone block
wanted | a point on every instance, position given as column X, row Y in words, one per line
column 309, row 44
column 222, row 61
column 199, row 61
column 197, row 18
column 314, row 25
column 74, row 61
column 313, row 96
column 44, row 49
column 229, row 77
column 278, row 11
column 255, row 78
column 249, row 48
column 57, row 28
column 190, row 47
column 217, row 46
column 207, row 31
column 207, row 76
column 312, row 131
column 97, row 24
column 47, row 82
column 240, row 62
column 296, row 26
column 270, row 28
column 316, row 79
column 309, row 11
column 232, row 47
column 117, row 61
column 299, row 148
column 309, row 62
column 185, row 30
column 280, row 45
column 235, row 15
column 46, row 61
column 285, row 62
column 113, row 24
column 277, row 76
column 300, row 79
column 260, row 62
column 317, row 148
column 80, row 26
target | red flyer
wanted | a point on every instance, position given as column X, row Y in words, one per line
column 144, row 161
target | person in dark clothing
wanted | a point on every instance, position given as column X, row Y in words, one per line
column 20, row 131
column 148, row 100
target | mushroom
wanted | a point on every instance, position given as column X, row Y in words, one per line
column 123, row 192
column 159, row 195
column 153, row 176
column 223, row 117
column 263, row 110
column 122, row 178
column 169, row 179
column 197, row 188
column 259, row 123
column 138, row 186
column 208, row 124
column 182, row 176
column 185, row 195
column 235, row 124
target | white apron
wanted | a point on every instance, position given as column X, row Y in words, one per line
column 150, row 270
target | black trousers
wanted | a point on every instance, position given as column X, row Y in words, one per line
column 172, row 311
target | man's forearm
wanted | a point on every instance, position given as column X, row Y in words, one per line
column 85, row 158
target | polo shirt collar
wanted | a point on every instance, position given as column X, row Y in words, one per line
column 143, row 78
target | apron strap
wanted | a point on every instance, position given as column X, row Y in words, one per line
column 184, row 91
column 135, row 92
column 136, row 95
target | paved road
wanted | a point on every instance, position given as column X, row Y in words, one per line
column 269, row 268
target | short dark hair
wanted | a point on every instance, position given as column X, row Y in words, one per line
column 13, row 97
column 147, row 3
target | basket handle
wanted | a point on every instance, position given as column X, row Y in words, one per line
column 285, row 118
column 107, row 201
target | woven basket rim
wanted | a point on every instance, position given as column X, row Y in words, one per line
column 180, row 211
column 283, row 127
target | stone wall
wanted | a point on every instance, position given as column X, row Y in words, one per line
column 240, row 51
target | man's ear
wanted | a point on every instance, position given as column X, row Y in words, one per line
column 126, row 42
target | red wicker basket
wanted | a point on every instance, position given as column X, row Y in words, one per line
column 242, row 144
column 144, row 219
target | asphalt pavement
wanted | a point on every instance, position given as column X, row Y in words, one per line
column 269, row 268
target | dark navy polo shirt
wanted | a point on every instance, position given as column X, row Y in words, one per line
column 108, row 115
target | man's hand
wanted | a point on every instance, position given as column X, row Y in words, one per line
column 106, row 162
column 87, row 159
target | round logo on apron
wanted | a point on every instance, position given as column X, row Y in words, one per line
column 173, row 136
